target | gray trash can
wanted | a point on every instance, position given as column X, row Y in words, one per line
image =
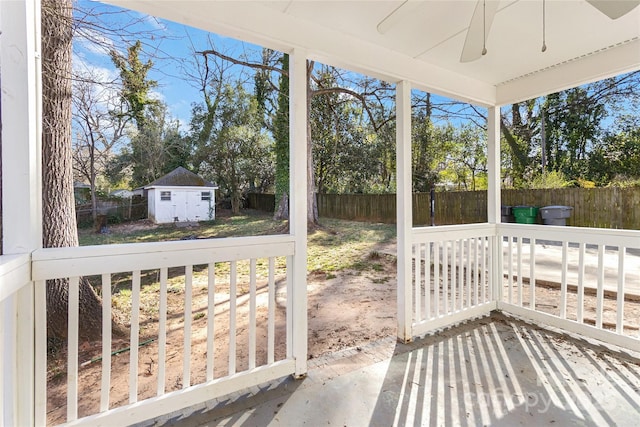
column 507, row 215
column 555, row 215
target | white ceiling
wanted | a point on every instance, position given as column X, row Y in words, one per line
column 422, row 41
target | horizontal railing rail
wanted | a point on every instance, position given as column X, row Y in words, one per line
column 242, row 288
column 15, row 272
column 53, row 263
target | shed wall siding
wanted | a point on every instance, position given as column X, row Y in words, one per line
column 186, row 205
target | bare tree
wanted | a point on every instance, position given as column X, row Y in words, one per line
column 98, row 128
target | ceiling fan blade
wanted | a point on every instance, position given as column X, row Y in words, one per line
column 480, row 21
column 614, row 9
column 399, row 14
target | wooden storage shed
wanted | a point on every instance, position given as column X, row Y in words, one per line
column 181, row 196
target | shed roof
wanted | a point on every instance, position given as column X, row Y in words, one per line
column 180, row 177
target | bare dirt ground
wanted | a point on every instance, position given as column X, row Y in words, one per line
column 346, row 309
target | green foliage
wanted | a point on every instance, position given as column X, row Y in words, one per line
column 617, row 158
column 135, row 84
column 349, row 155
column 454, row 156
column 624, row 182
column 551, row 179
column 154, row 150
column 281, row 135
column 236, row 154
column 572, row 126
column 156, row 146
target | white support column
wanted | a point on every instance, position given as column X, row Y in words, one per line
column 298, row 204
column 21, row 199
column 493, row 165
column 494, row 196
column 404, row 212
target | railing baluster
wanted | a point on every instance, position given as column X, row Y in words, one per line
column 476, row 264
column 532, row 274
column 135, row 337
column 271, row 327
column 495, row 248
column 461, row 279
column 106, row 342
column 72, row 349
column 232, row 317
column 446, row 277
column 468, row 277
column 453, row 277
column 211, row 316
column 519, row 258
column 510, row 281
column 620, row 297
column 162, row 330
column 483, row 273
column 563, row 282
column 600, row 291
column 416, row 281
column 427, row 280
column 436, row 277
column 188, row 297
column 252, row 313
column 289, row 303
column 41, row 354
column 580, row 311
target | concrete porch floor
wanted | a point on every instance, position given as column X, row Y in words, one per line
column 496, row 370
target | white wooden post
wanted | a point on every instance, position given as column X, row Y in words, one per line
column 494, row 196
column 298, row 204
column 21, row 198
column 404, row 212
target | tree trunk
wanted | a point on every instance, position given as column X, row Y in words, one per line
column 58, row 207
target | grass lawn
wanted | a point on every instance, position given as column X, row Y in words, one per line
column 335, row 246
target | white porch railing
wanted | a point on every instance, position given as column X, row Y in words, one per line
column 247, row 293
column 584, row 278
column 15, row 345
column 451, row 278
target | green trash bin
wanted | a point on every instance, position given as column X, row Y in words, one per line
column 525, row 214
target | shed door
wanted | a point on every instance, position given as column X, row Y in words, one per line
column 179, row 199
column 193, row 206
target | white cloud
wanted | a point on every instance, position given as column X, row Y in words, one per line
column 104, row 88
column 94, row 41
column 155, row 22
column 157, row 96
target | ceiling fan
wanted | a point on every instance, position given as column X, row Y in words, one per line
column 480, row 25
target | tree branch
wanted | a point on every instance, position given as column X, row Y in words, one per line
column 254, row 65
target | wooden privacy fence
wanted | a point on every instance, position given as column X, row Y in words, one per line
column 129, row 209
column 261, row 201
column 592, row 207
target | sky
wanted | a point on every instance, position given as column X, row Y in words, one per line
column 169, row 45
